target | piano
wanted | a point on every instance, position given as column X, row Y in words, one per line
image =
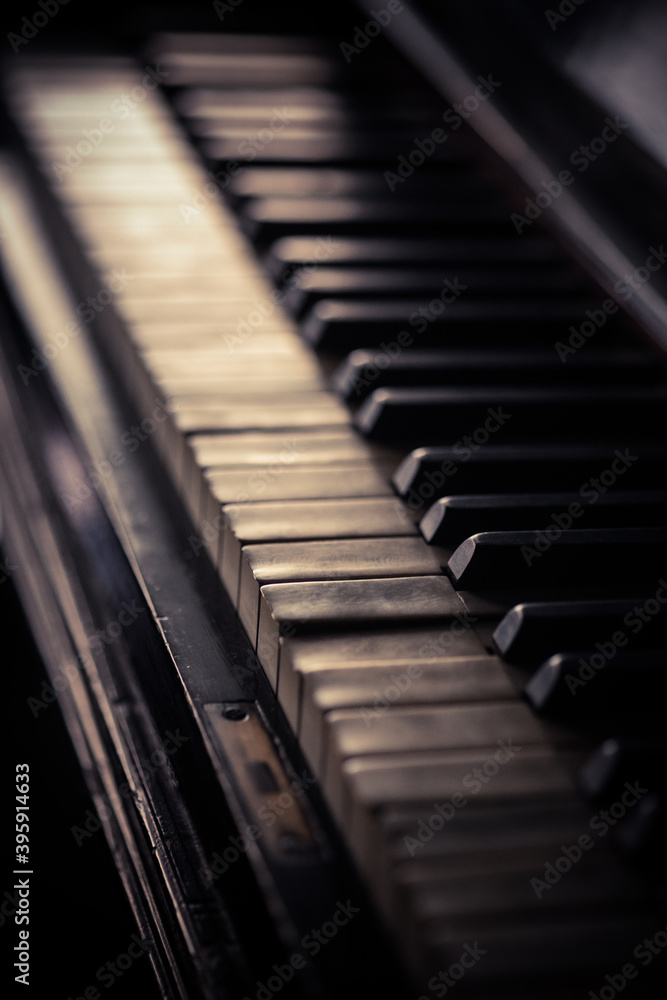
column 333, row 481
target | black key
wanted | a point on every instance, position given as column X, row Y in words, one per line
column 194, row 102
column 276, row 61
column 217, row 59
column 509, row 826
column 558, row 950
column 364, row 282
column 224, row 121
column 625, row 763
column 530, row 633
column 175, row 44
column 327, row 182
column 450, row 520
column 341, row 325
column 267, row 219
column 527, row 560
column 364, row 371
column 642, row 833
column 315, row 147
column 292, row 253
column 202, row 101
column 541, row 413
column 567, row 685
column 472, row 465
column 447, row 896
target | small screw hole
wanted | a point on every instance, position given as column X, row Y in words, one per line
column 235, row 714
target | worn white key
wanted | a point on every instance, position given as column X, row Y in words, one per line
column 269, row 521
column 289, row 609
column 499, row 773
column 339, row 559
column 422, row 729
column 370, row 691
column 404, row 650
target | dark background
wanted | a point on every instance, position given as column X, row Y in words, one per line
column 79, row 915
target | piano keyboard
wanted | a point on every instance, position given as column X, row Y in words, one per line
column 445, row 543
